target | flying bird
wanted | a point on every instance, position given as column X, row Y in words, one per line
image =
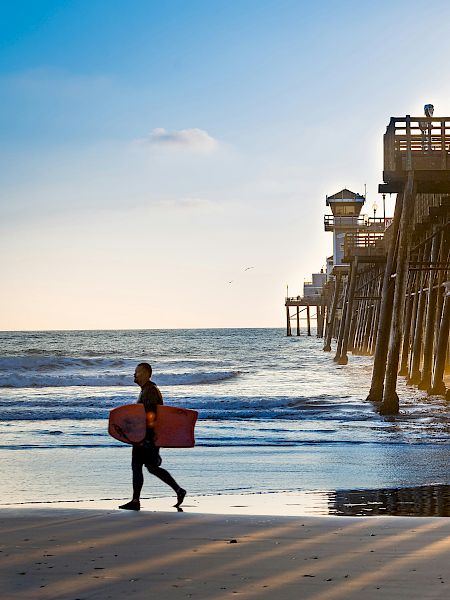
column 244, row 269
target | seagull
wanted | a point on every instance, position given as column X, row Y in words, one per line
column 248, row 268
column 231, row 281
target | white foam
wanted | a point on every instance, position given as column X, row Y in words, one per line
column 88, row 377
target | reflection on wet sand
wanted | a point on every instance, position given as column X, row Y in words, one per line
column 421, row 501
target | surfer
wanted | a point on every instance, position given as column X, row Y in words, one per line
column 147, row 453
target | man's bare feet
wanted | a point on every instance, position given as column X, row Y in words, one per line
column 132, row 505
column 180, row 497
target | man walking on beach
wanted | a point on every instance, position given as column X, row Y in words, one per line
column 147, row 453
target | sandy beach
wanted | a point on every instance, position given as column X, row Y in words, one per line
column 290, row 482
column 101, row 553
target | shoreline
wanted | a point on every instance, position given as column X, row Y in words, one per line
column 419, row 501
column 69, row 554
column 100, row 473
column 276, row 504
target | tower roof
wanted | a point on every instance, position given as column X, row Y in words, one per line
column 345, row 194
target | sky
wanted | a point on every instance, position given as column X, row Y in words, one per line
column 151, row 152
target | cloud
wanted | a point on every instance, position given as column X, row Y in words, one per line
column 197, row 140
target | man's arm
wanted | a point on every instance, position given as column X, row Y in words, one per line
column 150, row 398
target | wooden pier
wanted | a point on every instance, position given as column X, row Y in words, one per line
column 393, row 299
column 304, row 304
column 388, row 293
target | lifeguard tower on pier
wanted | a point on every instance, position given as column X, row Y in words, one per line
column 346, row 208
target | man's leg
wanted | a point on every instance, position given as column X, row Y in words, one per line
column 153, row 460
column 137, row 462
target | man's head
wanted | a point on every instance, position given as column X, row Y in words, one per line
column 142, row 373
column 428, row 110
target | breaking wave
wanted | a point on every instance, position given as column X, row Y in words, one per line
column 38, row 380
column 214, row 408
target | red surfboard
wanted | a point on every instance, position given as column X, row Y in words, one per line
column 174, row 427
column 127, row 423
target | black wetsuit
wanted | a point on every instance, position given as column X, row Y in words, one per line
column 148, row 453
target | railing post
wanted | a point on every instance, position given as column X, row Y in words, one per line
column 443, row 148
column 389, row 146
column 408, row 143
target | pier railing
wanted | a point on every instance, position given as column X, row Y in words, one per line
column 378, row 224
column 358, row 223
column 331, row 221
column 416, row 144
column 313, row 300
column 368, row 245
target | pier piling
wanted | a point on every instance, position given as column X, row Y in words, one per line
column 438, row 386
column 385, row 316
column 341, row 357
column 390, row 403
column 425, row 380
column 332, row 313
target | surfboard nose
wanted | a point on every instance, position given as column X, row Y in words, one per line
column 127, row 423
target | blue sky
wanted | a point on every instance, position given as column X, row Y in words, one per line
column 195, row 138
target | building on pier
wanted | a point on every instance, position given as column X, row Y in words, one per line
column 346, row 208
column 314, row 288
column 313, row 297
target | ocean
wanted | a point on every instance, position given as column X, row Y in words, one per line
column 275, row 414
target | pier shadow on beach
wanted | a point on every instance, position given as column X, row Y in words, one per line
column 421, row 501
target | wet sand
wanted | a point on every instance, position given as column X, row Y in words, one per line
column 418, row 501
column 101, row 553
